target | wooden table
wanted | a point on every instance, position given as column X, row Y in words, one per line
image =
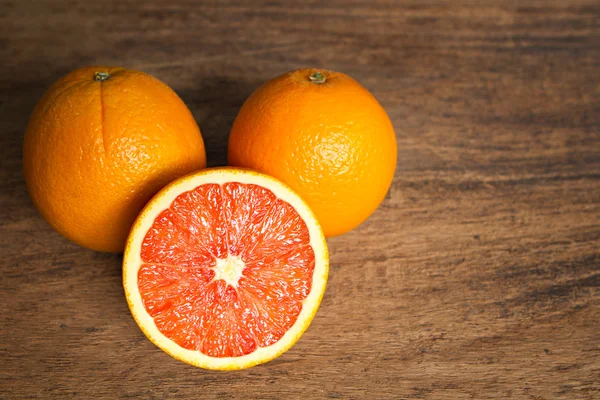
column 479, row 275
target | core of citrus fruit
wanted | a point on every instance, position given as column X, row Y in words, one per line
column 324, row 135
column 100, row 143
column 225, row 268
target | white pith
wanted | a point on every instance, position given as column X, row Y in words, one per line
column 227, row 269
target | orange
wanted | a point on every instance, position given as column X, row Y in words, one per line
column 100, row 143
column 324, row 135
column 225, row 268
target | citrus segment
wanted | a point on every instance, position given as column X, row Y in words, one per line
column 225, row 269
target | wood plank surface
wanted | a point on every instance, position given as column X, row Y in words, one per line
column 477, row 278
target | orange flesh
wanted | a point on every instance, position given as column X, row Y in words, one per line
column 179, row 256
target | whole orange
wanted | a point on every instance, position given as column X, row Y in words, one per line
column 99, row 144
column 324, row 135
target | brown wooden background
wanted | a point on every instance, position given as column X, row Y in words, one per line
column 479, row 275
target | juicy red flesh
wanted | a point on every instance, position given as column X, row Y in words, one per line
column 179, row 254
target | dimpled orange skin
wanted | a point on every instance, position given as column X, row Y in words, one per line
column 332, row 142
column 95, row 151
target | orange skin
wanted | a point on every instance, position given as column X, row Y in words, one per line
column 329, row 139
column 99, row 146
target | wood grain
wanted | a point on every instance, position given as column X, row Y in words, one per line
column 479, row 275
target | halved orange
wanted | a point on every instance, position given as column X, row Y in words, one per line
column 225, row 268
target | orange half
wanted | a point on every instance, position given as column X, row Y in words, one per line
column 225, row 268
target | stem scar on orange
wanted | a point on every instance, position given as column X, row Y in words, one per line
column 100, row 143
column 324, row 135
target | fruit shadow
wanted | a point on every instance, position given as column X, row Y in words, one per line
column 215, row 105
column 17, row 100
